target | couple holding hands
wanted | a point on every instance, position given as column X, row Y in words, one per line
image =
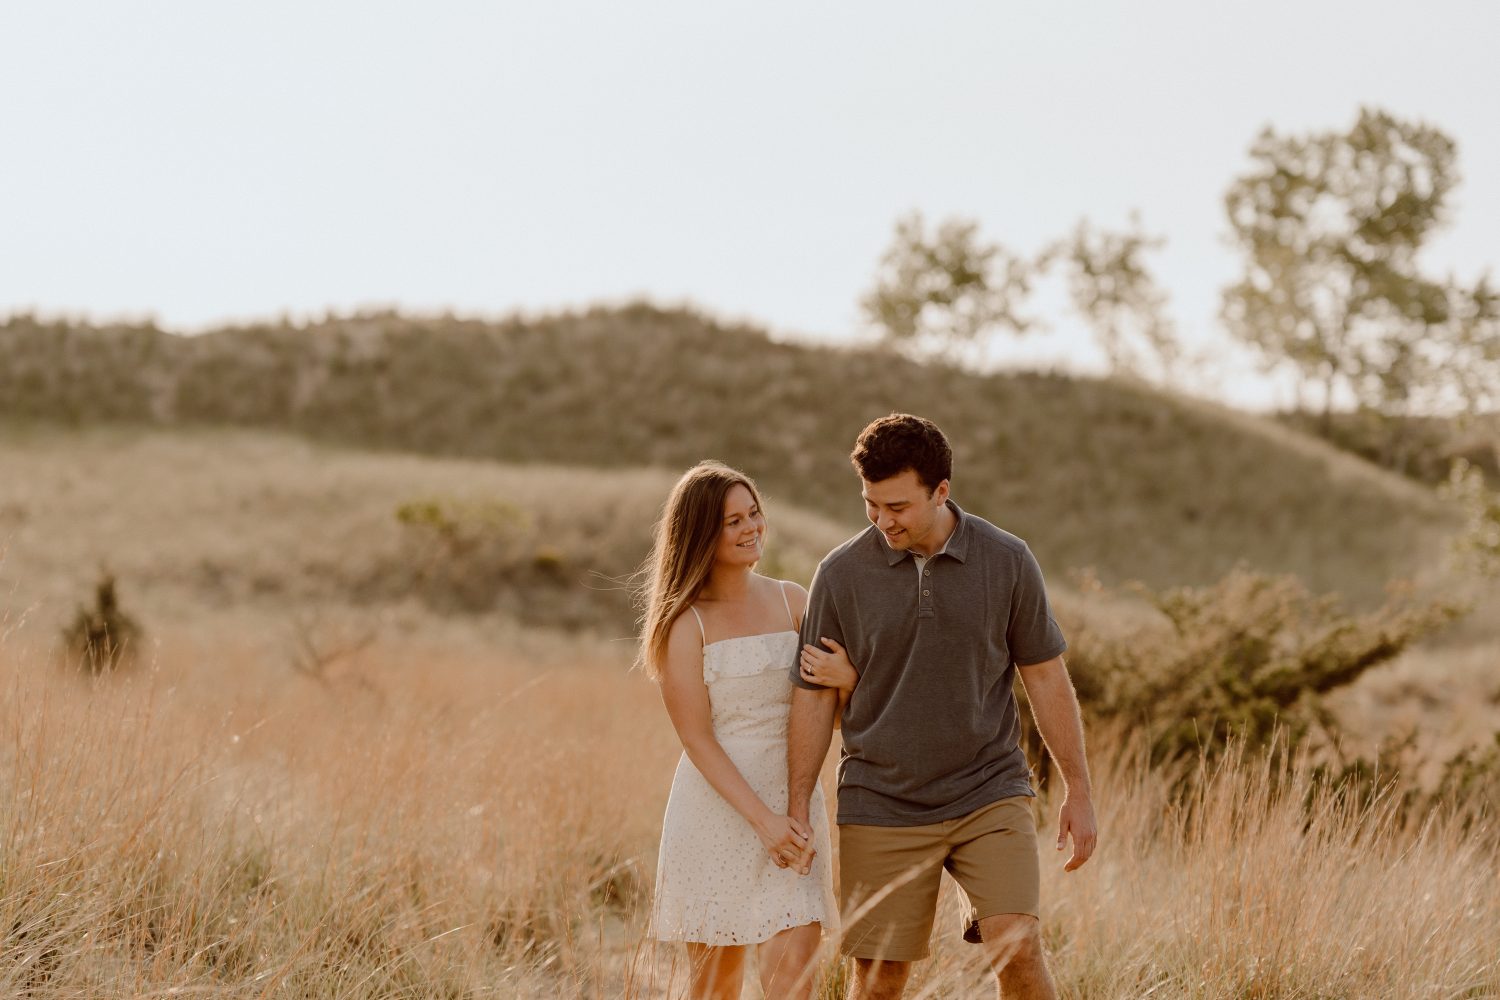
column 909, row 640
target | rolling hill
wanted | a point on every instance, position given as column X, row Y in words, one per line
column 1095, row 473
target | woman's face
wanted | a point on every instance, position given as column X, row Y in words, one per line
column 743, row 531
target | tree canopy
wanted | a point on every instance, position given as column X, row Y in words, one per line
column 1331, row 225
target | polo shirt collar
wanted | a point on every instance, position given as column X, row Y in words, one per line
column 958, row 542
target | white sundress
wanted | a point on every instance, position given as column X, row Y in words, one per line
column 715, row 883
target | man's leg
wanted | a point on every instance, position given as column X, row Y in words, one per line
column 889, row 878
column 877, row 980
column 993, row 857
column 1013, row 945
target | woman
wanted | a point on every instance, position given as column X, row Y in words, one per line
column 719, row 639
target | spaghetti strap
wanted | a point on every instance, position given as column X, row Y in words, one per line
column 787, row 604
column 701, row 633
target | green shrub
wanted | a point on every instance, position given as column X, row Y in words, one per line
column 102, row 638
column 465, row 553
column 1471, row 781
column 1250, row 656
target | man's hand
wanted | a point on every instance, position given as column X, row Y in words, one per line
column 804, row 859
column 1076, row 819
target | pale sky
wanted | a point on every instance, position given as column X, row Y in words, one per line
column 207, row 161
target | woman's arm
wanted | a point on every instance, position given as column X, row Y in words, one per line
column 686, row 698
column 830, row 668
column 826, row 669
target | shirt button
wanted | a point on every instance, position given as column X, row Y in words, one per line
column 927, row 572
column 926, row 593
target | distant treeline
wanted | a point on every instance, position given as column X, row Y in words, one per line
column 1096, row 473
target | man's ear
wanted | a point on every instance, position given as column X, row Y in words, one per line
column 940, row 492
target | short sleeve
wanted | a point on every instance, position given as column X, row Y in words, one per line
column 1032, row 634
column 820, row 620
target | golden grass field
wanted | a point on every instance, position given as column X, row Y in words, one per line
column 460, row 805
column 454, row 819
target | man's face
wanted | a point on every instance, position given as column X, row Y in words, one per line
column 902, row 508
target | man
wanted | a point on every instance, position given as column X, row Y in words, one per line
column 938, row 609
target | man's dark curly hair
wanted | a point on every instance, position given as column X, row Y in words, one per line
column 889, row 446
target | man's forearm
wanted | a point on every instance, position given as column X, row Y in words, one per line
column 1054, row 705
column 809, row 733
column 1064, row 738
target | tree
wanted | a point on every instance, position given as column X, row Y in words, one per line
column 1116, row 295
column 1468, row 353
column 1478, row 544
column 1331, row 225
column 942, row 291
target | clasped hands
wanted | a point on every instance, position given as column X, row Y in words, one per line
column 788, row 840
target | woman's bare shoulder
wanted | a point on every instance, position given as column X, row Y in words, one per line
column 796, row 597
column 684, row 652
column 684, row 631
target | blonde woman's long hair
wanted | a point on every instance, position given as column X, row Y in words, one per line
column 685, row 538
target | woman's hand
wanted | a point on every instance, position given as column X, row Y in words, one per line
column 787, row 840
column 828, row 669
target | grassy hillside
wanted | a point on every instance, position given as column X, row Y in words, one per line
column 276, row 526
column 218, row 823
column 217, row 533
column 465, row 803
column 1093, row 473
column 1422, row 448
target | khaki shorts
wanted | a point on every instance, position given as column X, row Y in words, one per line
column 991, row 853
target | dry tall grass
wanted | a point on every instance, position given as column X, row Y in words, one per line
column 455, row 820
column 451, row 824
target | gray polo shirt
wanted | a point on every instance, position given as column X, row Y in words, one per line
column 931, row 731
